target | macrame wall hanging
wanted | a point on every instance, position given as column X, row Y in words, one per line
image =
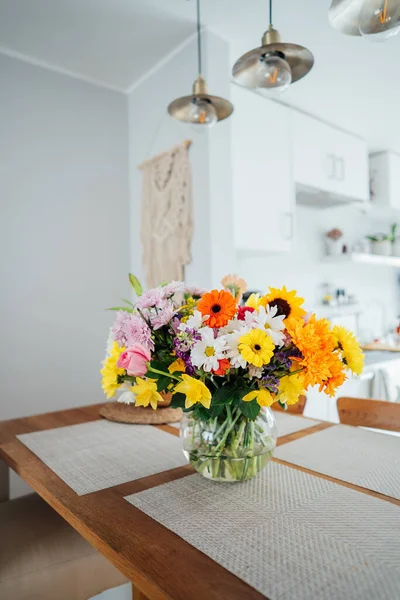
column 167, row 220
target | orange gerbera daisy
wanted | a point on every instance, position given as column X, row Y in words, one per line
column 219, row 306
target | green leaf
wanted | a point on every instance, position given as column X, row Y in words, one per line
column 250, row 409
column 125, row 308
column 178, row 400
column 128, row 302
column 135, row 283
column 223, row 396
column 162, row 383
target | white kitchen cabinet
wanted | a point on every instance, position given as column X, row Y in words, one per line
column 329, row 160
column 263, row 187
column 385, row 179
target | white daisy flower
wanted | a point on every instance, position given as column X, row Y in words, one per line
column 195, row 321
column 232, row 348
column 266, row 319
column 208, row 351
column 233, row 325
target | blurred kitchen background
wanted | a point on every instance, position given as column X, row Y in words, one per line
column 301, row 190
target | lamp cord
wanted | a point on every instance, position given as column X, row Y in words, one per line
column 270, row 12
column 198, row 37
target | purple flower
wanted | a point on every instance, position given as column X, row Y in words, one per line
column 182, row 346
column 271, row 382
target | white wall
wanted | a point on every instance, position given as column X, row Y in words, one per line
column 303, row 269
column 64, row 233
column 152, row 130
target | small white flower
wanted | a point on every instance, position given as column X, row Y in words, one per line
column 232, row 346
column 195, row 321
column 127, row 398
column 110, row 342
column 266, row 319
column 233, row 325
column 208, row 351
column 255, row 372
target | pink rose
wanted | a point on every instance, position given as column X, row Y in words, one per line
column 134, row 360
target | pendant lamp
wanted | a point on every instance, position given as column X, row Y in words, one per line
column 375, row 19
column 273, row 66
column 200, row 109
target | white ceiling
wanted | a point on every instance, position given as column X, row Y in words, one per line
column 353, row 84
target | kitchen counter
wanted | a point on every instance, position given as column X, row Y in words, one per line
column 376, row 357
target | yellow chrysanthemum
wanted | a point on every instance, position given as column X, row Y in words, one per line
column 352, row 354
column 253, row 301
column 195, row 391
column 110, row 371
column 146, row 393
column 256, row 347
column 263, row 397
column 177, row 366
column 290, row 388
column 287, row 303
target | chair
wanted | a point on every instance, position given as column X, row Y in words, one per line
column 43, row 557
column 294, row 409
column 365, row 412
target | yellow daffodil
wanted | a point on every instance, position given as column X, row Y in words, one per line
column 177, row 366
column 195, row 391
column 263, row 397
column 253, row 301
column 110, row 371
column 290, row 388
column 256, row 347
column 146, row 393
column 351, row 352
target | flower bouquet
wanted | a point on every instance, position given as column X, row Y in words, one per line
column 225, row 364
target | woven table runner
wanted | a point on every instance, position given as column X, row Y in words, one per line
column 288, row 534
column 370, row 460
column 94, row 456
column 287, row 423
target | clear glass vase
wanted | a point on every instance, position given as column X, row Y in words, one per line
column 229, row 447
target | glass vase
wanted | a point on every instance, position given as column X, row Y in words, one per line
column 229, row 447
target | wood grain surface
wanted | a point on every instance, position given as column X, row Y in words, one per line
column 162, row 565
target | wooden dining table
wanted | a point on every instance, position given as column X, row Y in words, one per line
column 140, row 547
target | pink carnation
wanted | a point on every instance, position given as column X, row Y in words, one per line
column 173, row 288
column 131, row 329
column 163, row 315
column 150, row 298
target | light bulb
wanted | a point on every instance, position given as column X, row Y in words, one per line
column 274, row 74
column 202, row 114
column 380, row 19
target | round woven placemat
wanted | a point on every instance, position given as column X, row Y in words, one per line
column 129, row 413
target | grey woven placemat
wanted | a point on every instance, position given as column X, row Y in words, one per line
column 364, row 458
column 287, row 423
column 286, row 533
column 97, row 455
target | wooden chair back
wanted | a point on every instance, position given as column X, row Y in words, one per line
column 294, row 409
column 365, row 412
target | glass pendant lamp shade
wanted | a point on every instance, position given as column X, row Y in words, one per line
column 379, row 19
column 275, row 74
column 273, row 66
column 200, row 110
column 375, row 19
